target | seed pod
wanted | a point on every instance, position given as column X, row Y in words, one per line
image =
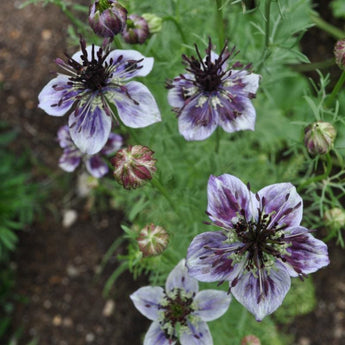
column 319, row 137
column 133, row 166
column 152, row 240
column 107, row 18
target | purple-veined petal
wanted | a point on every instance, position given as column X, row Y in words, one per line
column 306, row 254
column 179, row 278
column 57, row 97
column 211, row 304
column 138, row 110
column 197, row 333
column 69, row 160
column 231, row 122
column 227, row 196
column 114, row 143
column 283, row 200
column 89, row 127
column 64, row 138
column 77, row 56
column 147, row 300
column 198, row 119
column 96, row 166
column 207, row 258
column 156, row 336
column 129, row 56
column 264, row 293
column 251, row 80
column 182, row 88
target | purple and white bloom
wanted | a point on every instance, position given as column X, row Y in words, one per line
column 72, row 156
column 213, row 94
column 96, row 80
column 261, row 243
column 180, row 311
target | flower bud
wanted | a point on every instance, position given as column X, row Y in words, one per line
column 152, row 240
column 136, row 30
column 319, row 137
column 250, row 340
column 154, row 22
column 335, row 217
column 107, row 18
column 133, row 166
column 339, row 52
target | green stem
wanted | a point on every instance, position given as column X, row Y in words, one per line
column 327, row 168
column 216, row 148
column 220, row 23
column 163, row 191
column 178, row 27
column 266, row 52
column 306, row 67
column 78, row 23
column 117, row 42
column 268, row 23
column 323, row 25
column 336, row 90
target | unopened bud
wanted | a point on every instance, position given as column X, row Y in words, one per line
column 136, row 30
column 107, row 18
column 319, row 137
column 152, row 240
column 250, row 340
column 339, row 53
column 335, row 217
column 133, row 166
column 154, row 22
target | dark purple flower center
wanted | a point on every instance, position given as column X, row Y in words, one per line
column 93, row 72
column 208, row 74
column 176, row 308
column 263, row 239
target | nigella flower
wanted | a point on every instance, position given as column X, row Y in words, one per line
column 180, row 311
column 211, row 94
column 96, row 81
column 261, row 243
column 95, row 164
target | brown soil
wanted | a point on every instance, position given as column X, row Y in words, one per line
column 55, row 265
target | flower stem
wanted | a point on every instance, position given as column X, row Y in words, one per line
column 155, row 182
column 323, row 25
column 268, row 22
column 220, row 23
column 178, row 27
column 336, row 89
column 327, row 171
column 265, row 52
column 216, row 148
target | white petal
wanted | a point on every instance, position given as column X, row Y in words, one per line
column 263, row 296
column 155, row 336
column 96, row 166
column 90, row 129
column 56, row 98
column 227, row 196
column 212, row 304
column 141, row 110
column 77, row 56
column 196, row 334
column 179, row 278
column 245, row 121
column 147, row 300
column 130, row 55
column 282, row 200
